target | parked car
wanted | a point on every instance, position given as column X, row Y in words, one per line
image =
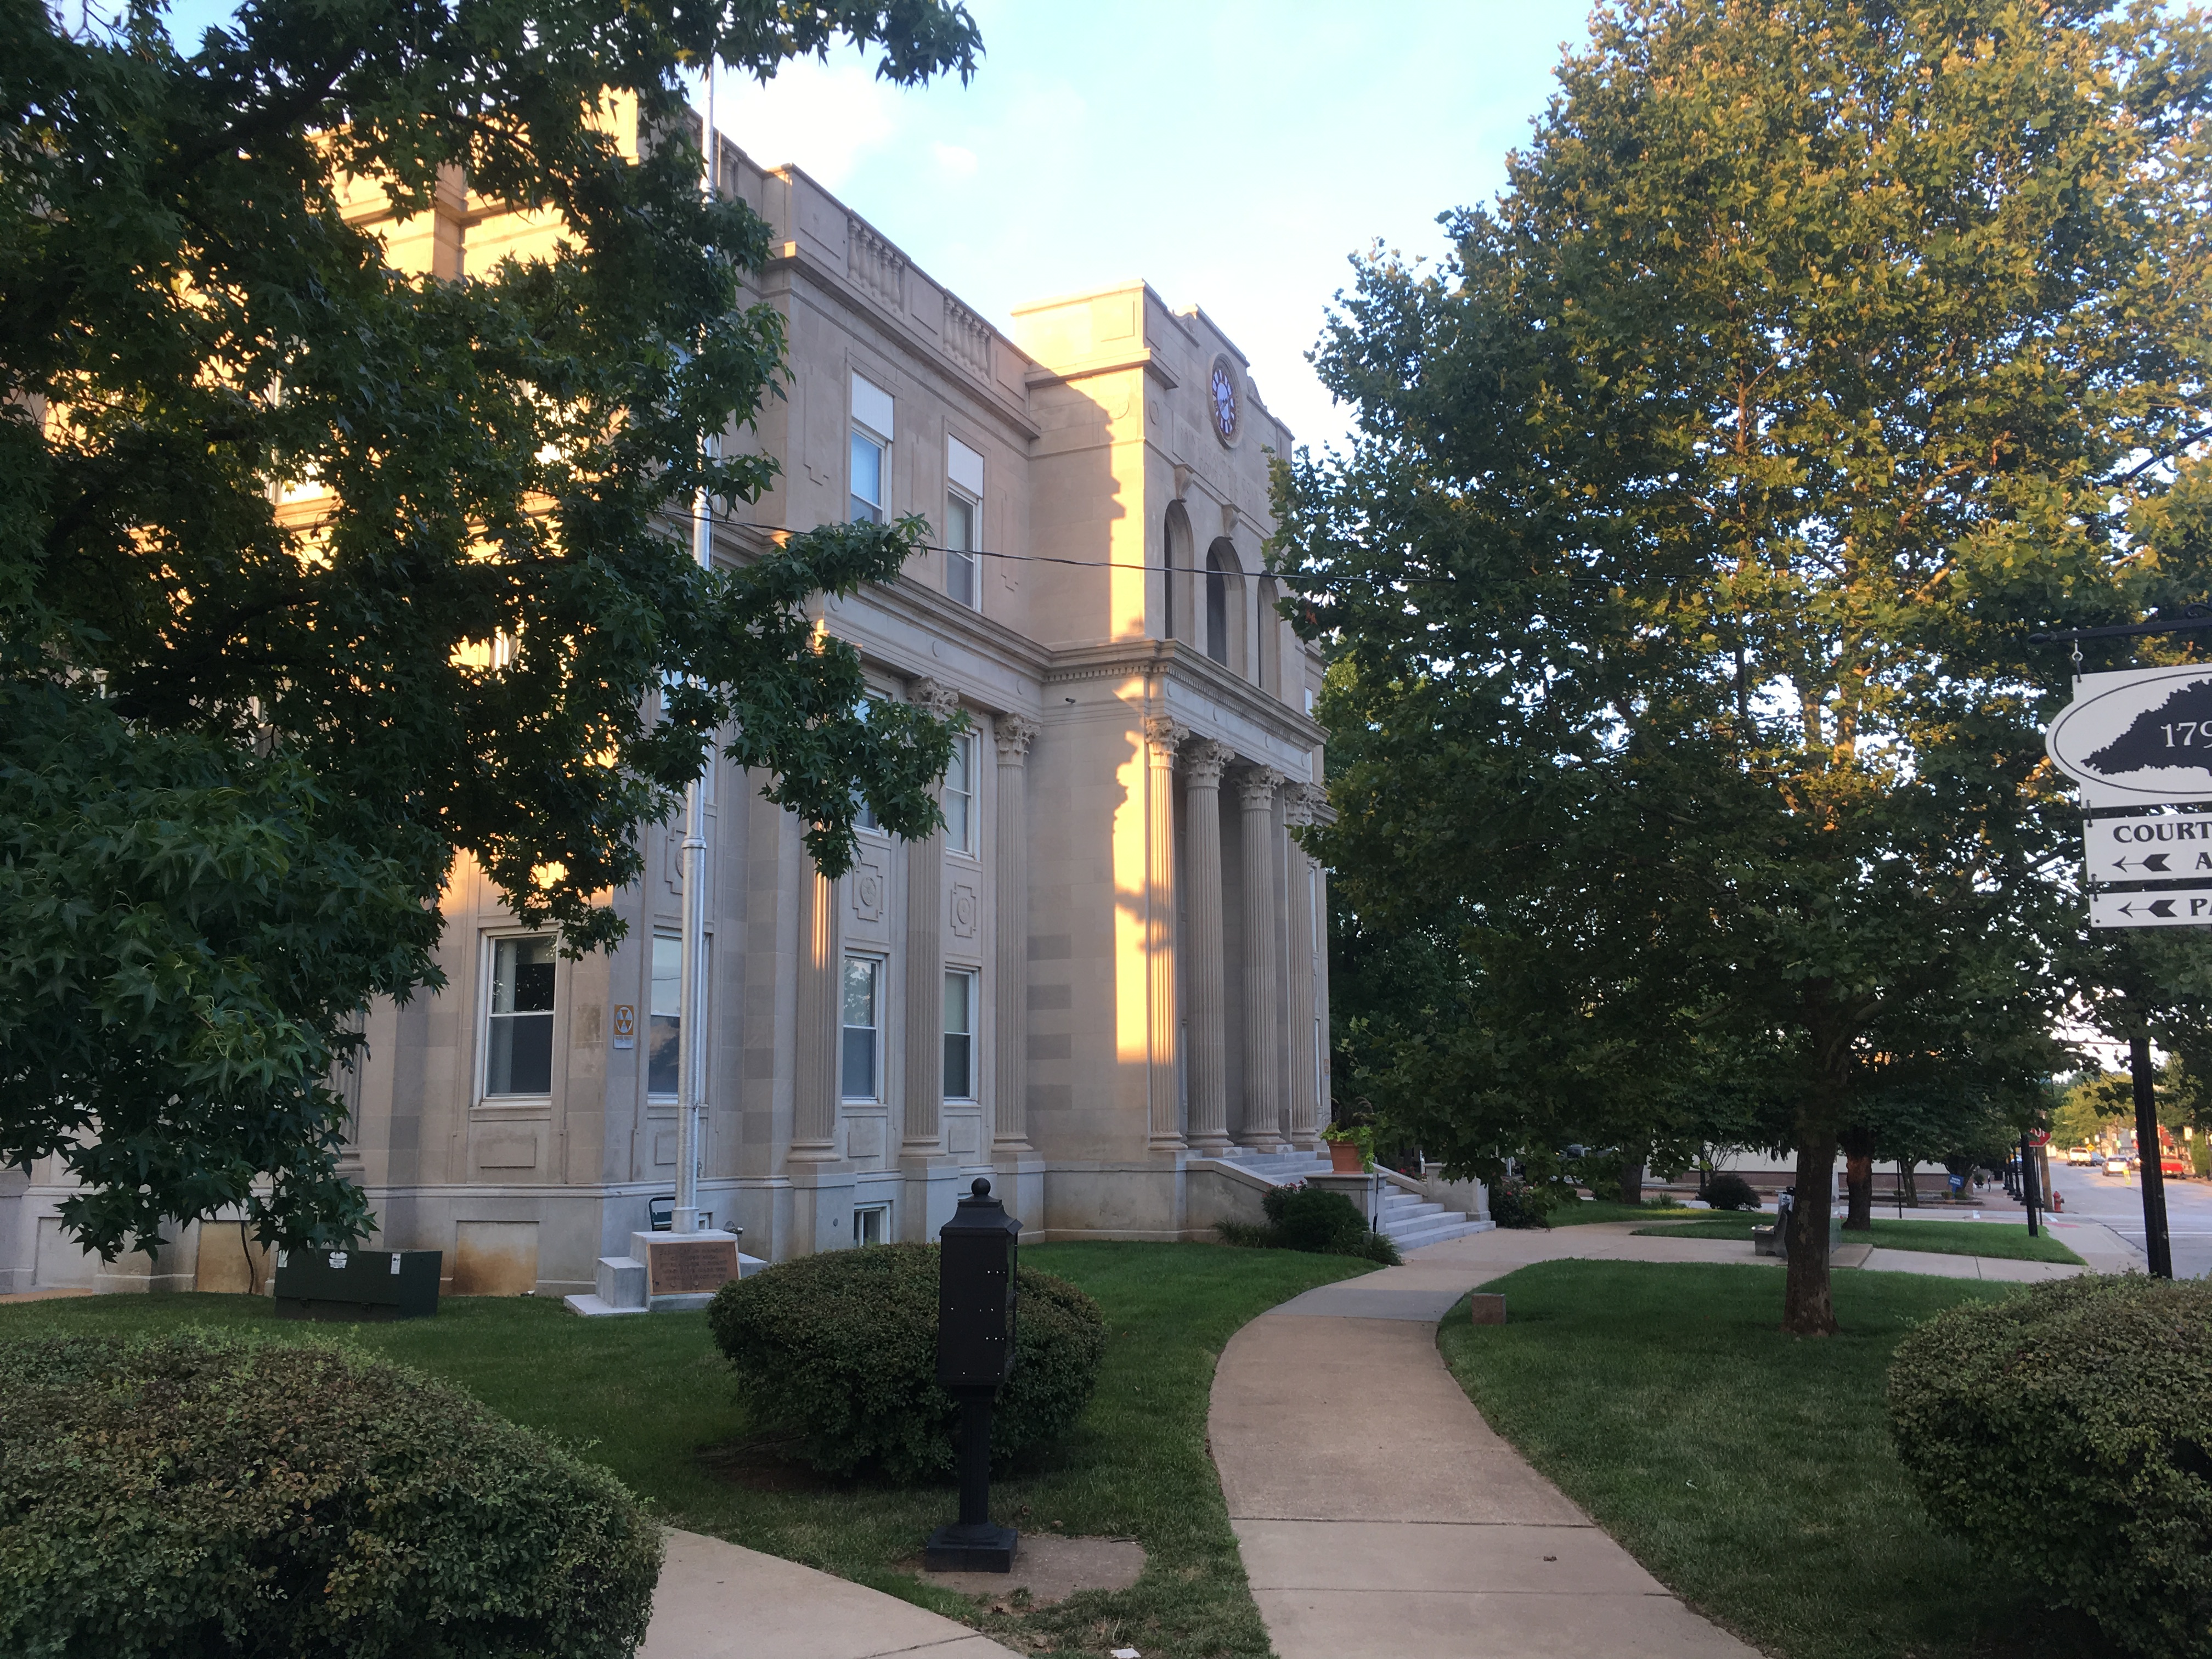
column 2116, row 1165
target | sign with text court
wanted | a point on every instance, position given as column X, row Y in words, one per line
column 2140, row 736
column 2173, row 846
column 2184, row 906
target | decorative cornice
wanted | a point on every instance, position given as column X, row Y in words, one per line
column 1013, row 733
column 934, row 696
column 1204, row 761
column 1165, row 736
column 1256, row 788
column 1135, row 658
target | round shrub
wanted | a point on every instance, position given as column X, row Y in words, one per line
column 1730, row 1191
column 1326, row 1223
column 839, row 1351
column 199, row 1495
column 2067, row 1432
column 1515, row 1203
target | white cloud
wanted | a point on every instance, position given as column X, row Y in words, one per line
column 825, row 117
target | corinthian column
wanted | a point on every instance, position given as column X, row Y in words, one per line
column 1162, row 737
column 923, row 1095
column 814, row 1081
column 1300, row 1048
column 1261, row 1125
column 1010, row 967
column 1209, row 1029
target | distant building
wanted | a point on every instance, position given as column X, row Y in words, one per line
column 1109, row 973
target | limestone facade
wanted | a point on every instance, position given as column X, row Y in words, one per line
column 1105, row 976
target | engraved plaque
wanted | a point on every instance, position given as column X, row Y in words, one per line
column 691, row 1267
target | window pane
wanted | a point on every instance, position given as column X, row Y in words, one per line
column 522, row 977
column 960, row 524
column 860, row 1064
column 867, row 479
column 959, row 997
column 960, row 578
column 860, row 991
column 960, row 797
column 668, row 973
column 521, row 1061
column 957, row 1086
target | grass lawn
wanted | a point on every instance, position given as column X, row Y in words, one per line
column 2008, row 1239
column 650, row 1398
column 1750, row 1471
column 1609, row 1209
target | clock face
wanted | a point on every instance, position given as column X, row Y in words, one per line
column 1225, row 413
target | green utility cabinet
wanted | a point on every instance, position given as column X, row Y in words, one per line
column 374, row 1284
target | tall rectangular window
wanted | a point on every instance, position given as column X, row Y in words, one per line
column 871, row 451
column 663, row 1037
column 964, row 522
column 960, row 795
column 864, row 816
column 519, row 1026
column 863, row 1028
column 959, row 1034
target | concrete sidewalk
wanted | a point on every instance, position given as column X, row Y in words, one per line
column 1377, row 1513
column 718, row 1601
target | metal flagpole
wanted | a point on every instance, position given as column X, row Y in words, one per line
column 2156, row 1244
column 691, row 1027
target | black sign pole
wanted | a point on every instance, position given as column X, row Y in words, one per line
column 2156, row 1245
column 2027, row 1193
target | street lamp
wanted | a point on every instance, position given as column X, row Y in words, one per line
column 974, row 1357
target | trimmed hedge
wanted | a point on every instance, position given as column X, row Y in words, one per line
column 2067, row 1432
column 197, row 1495
column 1730, row 1191
column 839, row 1351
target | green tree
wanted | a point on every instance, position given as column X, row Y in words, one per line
column 237, row 757
column 1699, row 506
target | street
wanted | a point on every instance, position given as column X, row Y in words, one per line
column 2091, row 1195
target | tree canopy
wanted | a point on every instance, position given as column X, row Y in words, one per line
column 240, row 750
column 1681, row 571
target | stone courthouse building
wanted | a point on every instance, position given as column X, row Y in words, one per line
column 1103, row 985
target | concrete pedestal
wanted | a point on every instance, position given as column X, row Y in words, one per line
column 665, row 1272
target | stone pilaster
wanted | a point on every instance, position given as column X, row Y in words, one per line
column 1163, row 1013
column 1300, row 1048
column 1009, row 968
column 1204, row 996
column 922, row 1093
column 1262, row 1123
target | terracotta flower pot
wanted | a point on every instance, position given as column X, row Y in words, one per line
column 1344, row 1158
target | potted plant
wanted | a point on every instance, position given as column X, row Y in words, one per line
column 1350, row 1151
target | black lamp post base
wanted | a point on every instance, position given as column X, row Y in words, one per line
column 980, row 1548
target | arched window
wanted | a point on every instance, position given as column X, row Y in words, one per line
column 1177, row 556
column 1271, row 638
column 1216, row 605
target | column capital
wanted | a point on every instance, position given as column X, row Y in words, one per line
column 1302, row 802
column 1203, row 762
column 935, row 697
column 1013, row 733
column 1165, row 736
column 1256, row 788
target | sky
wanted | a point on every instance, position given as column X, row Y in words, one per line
column 1234, row 153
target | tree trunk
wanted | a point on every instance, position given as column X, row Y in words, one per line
column 1908, row 1189
column 1632, row 1182
column 1807, row 1309
column 1858, row 1183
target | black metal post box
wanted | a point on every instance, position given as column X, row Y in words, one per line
column 975, row 1314
column 374, row 1284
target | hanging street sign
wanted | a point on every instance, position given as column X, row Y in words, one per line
column 2172, row 847
column 2139, row 737
column 2187, row 907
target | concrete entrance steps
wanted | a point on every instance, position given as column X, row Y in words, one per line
column 1404, row 1219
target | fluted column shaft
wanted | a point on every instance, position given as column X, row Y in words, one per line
column 814, row 1106
column 1010, row 973
column 1261, row 1124
column 1301, row 1049
column 1162, row 737
column 1203, row 995
column 922, row 1094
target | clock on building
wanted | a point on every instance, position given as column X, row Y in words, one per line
column 1227, row 416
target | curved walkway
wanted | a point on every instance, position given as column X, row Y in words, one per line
column 1379, row 1514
